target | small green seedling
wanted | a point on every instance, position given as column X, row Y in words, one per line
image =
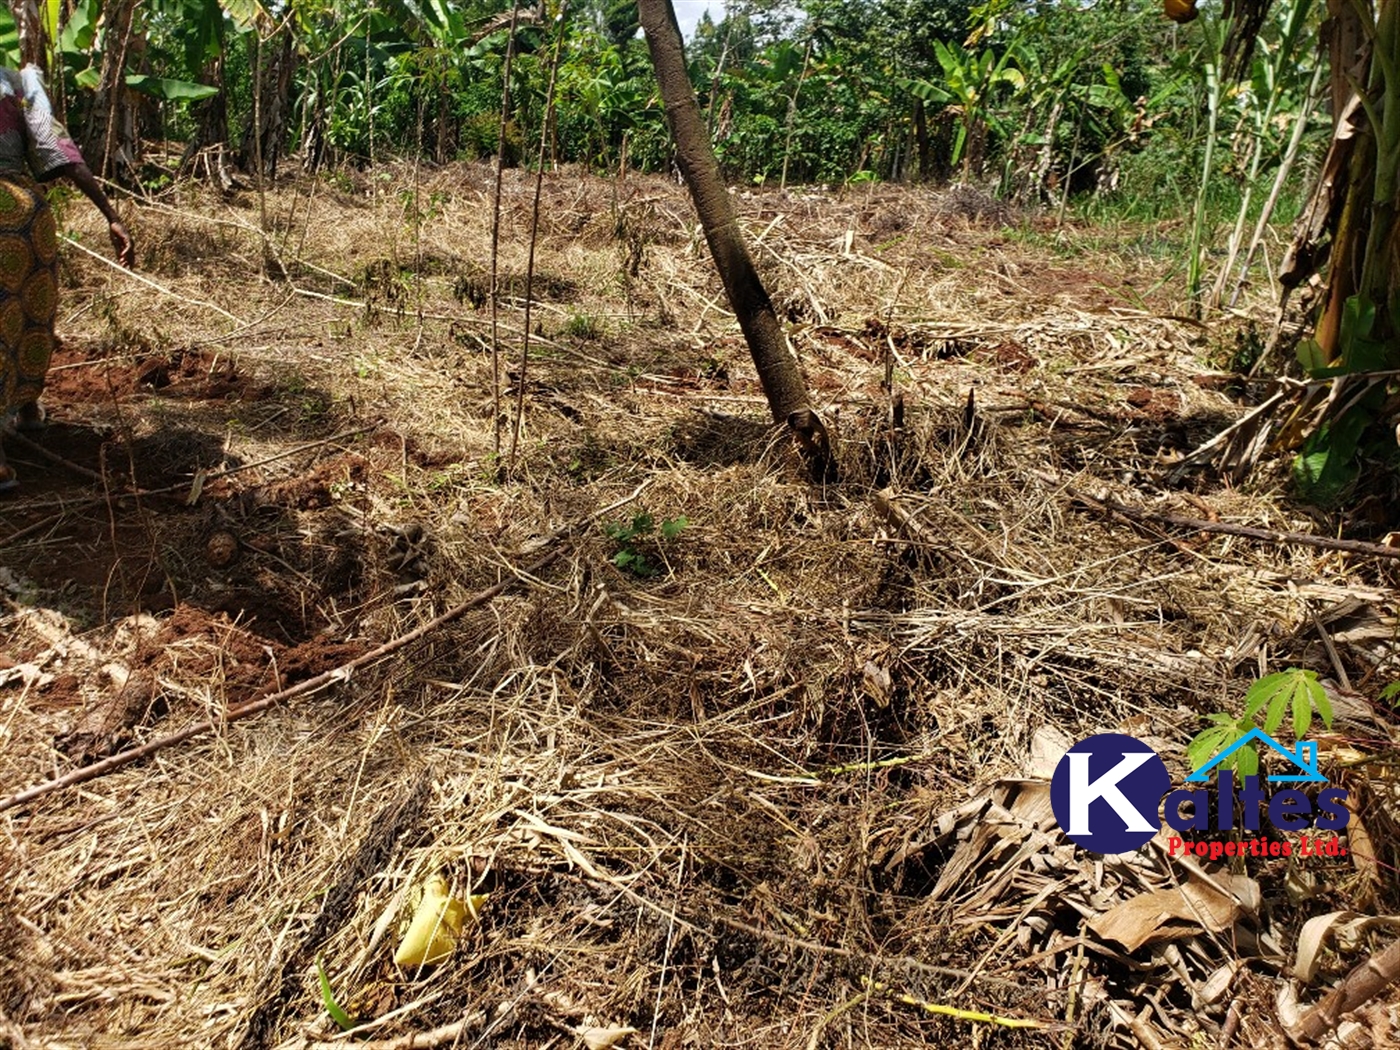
column 629, row 537
column 338, row 1014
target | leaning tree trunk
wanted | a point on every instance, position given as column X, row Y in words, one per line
column 783, row 385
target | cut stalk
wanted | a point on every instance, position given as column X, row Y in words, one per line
column 1214, row 34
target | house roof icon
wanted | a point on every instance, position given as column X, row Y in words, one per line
column 1304, row 756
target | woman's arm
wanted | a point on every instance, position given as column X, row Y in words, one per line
column 53, row 153
column 82, row 177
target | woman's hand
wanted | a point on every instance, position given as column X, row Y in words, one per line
column 122, row 246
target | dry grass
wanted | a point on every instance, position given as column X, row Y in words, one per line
column 707, row 802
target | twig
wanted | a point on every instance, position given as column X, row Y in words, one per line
column 443, row 1036
column 53, row 457
column 150, row 283
column 214, row 476
column 320, row 681
column 814, row 1040
column 1306, row 539
column 534, row 238
column 217, row 474
column 978, row 1016
column 40, row 525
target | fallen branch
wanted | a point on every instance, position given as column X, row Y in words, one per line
column 150, row 283
column 253, row 707
column 443, row 1036
column 1306, row 539
column 215, row 475
column 337, row 674
column 53, row 457
column 1362, row 985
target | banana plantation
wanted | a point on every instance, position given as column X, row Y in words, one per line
column 1034, row 101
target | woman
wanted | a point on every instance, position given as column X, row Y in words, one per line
column 34, row 146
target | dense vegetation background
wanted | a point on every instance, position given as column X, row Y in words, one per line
column 1106, row 102
column 1209, row 125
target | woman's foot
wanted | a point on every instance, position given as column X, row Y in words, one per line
column 8, row 481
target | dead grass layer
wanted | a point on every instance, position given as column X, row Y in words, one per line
column 785, row 791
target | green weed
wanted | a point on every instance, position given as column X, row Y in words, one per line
column 583, row 326
column 1293, row 694
column 639, row 536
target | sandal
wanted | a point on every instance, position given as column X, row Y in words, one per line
column 8, row 481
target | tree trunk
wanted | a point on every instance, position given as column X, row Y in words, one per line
column 313, row 130
column 782, row 383
column 1355, row 199
column 1350, row 57
column 441, row 149
column 33, row 48
column 279, row 63
column 211, row 120
column 111, row 140
column 921, row 140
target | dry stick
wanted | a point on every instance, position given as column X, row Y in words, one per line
column 1306, row 539
column 442, row 1036
column 107, row 765
column 53, row 457
column 41, row 524
column 257, row 138
column 150, row 283
column 369, row 103
column 1280, row 178
column 496, row 233
column 534, row 236
column 1362, row 985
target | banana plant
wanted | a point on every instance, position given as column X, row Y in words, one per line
column 969, row 79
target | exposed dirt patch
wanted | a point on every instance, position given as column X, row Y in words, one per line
column 1008, row 356
column 77, row 378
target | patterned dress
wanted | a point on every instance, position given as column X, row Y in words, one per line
column 32, row 145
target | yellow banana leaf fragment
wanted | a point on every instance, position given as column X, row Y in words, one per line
column 437, row 924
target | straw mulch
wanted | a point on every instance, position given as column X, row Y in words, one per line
column 782, row 787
